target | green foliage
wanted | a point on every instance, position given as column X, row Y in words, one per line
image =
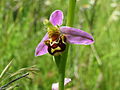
column 21, row 29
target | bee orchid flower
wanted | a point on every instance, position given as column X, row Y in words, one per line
column 58, row 36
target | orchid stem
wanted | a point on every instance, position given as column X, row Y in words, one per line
column 61, row 69
column 61, row 60
column 71, row 11
column 70, row 20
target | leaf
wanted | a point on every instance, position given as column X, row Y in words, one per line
column 6, row 69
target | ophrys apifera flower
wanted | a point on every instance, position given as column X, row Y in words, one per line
column 57, row 36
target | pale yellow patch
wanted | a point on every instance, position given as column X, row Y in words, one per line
column 58, row 48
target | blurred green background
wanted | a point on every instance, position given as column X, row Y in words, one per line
column 21, row 29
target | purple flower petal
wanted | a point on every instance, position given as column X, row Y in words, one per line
column 55, row 85
column 56, row 18
column 76, row 36
column 42, row 48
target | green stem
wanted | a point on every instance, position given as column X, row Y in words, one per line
column 61, row 60
column 61, row 63
column 61, row 69
column 71, row 11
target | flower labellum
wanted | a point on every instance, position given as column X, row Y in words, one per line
column 56, row 46
column 57, row 36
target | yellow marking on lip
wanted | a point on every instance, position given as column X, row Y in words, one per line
column 53, row 42
column 63, row 37
column 58, row 48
